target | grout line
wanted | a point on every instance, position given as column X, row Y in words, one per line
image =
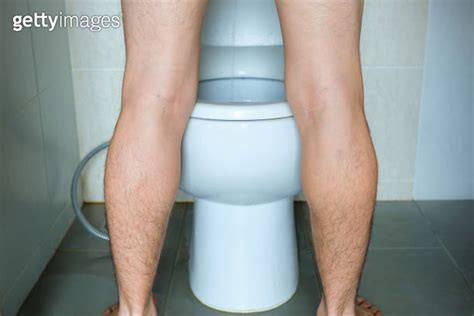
column 80, row 250
column 414, row 67
column 92, row 69
column 85, row 69
column 404, row 248
column 121, row 69
column 179, row 244
column 309, row 237
column 32, row 256
column 444, row 247
column 23, row 106
column 40, row 112
column 365, row 67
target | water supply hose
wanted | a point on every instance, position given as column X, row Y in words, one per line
column 74, row 200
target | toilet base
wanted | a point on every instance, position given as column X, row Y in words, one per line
column 243, row 258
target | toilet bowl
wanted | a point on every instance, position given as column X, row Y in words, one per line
column 240, row 162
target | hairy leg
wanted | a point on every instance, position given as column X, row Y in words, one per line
column 339, row 168
column 143, row 162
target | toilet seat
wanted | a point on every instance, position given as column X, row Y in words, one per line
column 241, row 99
column 241, row 112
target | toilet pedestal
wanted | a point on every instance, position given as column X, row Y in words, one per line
column 243, row 258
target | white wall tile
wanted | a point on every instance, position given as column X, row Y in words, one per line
column 444, row 162
column 392, row 106
column 50, row 48
column 33, row 191
column 60, row 142
column 97, row 96
column 19, row 62
column 393, row 32
column 102, row 49
column 3, row 79
column 54, row 79
column 392, row 48
column 395, row 190
column 92, row 179
column 97, row 107
column 27, row 202
column 392, row 101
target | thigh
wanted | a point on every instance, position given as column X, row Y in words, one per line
column 321, row 44
column 162, row 40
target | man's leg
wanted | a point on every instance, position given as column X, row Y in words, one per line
column 143, row 162
column 339, row 169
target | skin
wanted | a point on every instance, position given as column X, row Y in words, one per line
column 325, row 90
column 338, row 165
column 143, row 163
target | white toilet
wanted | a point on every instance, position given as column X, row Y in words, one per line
column 240, row 161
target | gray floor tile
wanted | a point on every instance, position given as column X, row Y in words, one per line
column 78, row 238
column 308, row 294
column 464, row 259
column 415, row 282
column 396, row 224
column 452, row 221
column 406, row 273
column 169, row 253
column 74, row 283
column 399, row 224
column 302, row 221
column 81, row 271
column 181, row 301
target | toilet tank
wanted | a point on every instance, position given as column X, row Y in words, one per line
column 241, row 38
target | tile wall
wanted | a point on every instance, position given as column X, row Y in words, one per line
column 39, row 148
column 393, row 42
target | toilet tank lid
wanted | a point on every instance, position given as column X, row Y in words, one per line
column 241, row 111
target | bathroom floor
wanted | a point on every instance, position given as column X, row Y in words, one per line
column 420, row 262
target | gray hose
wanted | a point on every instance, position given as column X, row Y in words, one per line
column 75, row 203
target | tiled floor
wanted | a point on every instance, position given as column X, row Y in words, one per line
column 420, row 262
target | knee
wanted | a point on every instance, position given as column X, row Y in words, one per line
column 325, row 100
column 167, row 99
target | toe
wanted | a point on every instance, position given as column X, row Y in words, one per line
column 111, row 310
column 375, row 310
column 363, row 303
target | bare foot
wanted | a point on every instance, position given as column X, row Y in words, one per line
column 111, row 311
column 114, row 309
column 364, row 308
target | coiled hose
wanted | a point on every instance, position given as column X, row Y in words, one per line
column 74, row 200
